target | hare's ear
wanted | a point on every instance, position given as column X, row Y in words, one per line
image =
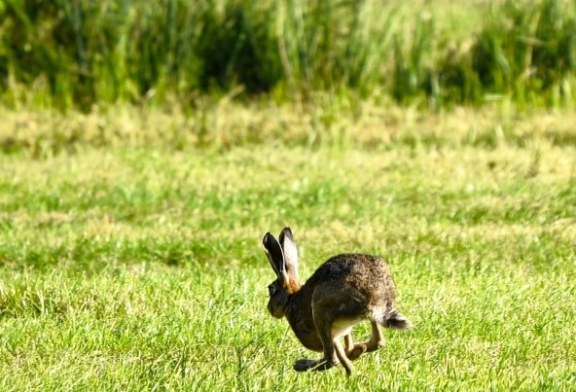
column 290, row 257
column 275, row 256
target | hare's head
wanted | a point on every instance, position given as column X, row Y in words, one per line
column 283, row 257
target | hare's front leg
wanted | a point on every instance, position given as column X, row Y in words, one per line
column 333, row 350
column 333, row 347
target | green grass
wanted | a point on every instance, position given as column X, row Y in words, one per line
column 85, row 54
column 141, row 268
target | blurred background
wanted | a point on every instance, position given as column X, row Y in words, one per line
column 75, row 54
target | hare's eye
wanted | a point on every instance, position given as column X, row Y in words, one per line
column 271, row 289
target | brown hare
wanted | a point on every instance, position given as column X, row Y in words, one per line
column 343, row 291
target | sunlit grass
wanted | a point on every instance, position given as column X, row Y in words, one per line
column 329, row 122
column 132, row 269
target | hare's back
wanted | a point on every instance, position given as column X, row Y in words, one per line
column 355, row 286
column 361, row 271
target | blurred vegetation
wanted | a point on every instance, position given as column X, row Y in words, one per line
column 79, row 53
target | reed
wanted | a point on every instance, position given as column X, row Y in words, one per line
column 82, row 53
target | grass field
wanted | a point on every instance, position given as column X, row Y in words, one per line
column 141, row 268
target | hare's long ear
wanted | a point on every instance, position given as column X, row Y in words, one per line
column 290, row 257
column 275, row 256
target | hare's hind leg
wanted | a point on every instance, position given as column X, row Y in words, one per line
column 353, row 351
column 376, row 340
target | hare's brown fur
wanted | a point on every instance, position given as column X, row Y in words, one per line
column 343, row 291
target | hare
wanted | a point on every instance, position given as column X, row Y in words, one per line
column 343, row 291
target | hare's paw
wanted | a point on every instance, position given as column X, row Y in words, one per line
column 323, row 365
column 356, row 351
column 303, row 365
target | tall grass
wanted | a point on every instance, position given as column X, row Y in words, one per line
column 80, row 53
column 528, row 50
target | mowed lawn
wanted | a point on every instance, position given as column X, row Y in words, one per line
column 142, row 269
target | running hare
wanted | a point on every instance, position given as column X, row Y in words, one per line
column 345, row 290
